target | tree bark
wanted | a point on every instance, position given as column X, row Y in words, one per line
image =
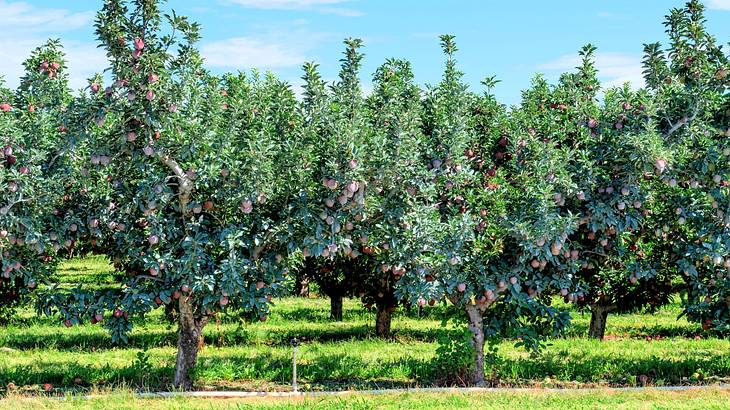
column 599, row 315
column 336, row 307
column 476, row 328
column 382, row 320
column 190, row 339
column 301, row 286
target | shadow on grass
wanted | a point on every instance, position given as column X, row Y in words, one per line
column 639, row 332
column 166, row 336
column 344, row 371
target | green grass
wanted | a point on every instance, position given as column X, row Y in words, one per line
column 345, row 355
column 650, row 399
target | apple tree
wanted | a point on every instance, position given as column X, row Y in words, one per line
column 612, row 154
column 689, row 83
column 200, row 171
column 37, row 176
column 335, row 189
column 493, row 214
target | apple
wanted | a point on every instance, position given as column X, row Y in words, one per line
column 260, row 285
column 153, row 240
column 153, row 78
column 131, row 136
column 592, row 123
column 247, row 206
column 95, row 88
column 461, row 287
column 555, row 248
column 513, row 280
column 223, row 301
column 535, row 263
column 99, row 317
column 5, row 107
column 138, row 44
column 150, row 95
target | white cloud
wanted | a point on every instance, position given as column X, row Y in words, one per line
column 271, row 48
column 249, row 52
column 26, row 27
column 23, row 17
column 83, row 59
column 614, row 69
column 718, row 4
column 322, row 6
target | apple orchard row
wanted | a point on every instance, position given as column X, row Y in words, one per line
column 221, row 192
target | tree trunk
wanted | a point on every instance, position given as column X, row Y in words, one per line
column 301, row 286
column 382, row 321
column 336, row 307
column 599, row 314
column 476, row 327
column 189, row 341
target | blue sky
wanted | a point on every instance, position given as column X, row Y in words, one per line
column 512, row 40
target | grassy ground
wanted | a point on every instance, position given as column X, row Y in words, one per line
column 651, row 399
column 654, row 349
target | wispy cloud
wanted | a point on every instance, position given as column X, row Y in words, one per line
column 83, row 60
column 718, row 4
column 249, row 52
column 27, row 27
column 274, row 47
column 614, row 69
column 321, row 6
column 23, row 17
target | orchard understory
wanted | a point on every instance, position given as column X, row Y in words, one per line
column 216, row 194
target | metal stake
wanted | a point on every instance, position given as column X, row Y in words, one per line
column 295, row 344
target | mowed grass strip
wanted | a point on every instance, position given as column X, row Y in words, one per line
column 594, row 399
column 641, row 349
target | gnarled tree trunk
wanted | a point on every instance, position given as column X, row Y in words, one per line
column 476, row 327
column 189, row 342
column 336, row 307
column 382, row 320
column 599, row 315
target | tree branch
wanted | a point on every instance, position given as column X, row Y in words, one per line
column 681, row 122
